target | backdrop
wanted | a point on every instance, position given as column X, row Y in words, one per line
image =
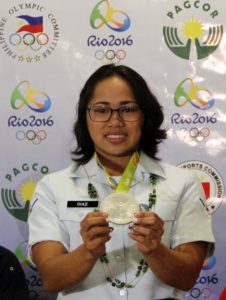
column 47, row 51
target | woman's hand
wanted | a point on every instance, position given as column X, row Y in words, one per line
column 147, row 231
column 95, row 232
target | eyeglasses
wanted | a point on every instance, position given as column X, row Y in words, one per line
column 101, row 113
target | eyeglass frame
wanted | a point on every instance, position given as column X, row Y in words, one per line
column 112, row 110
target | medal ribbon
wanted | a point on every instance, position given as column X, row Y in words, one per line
column 127, row 176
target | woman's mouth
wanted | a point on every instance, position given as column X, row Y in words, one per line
column 115, row 138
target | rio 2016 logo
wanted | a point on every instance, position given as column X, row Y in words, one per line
column 116, row 20
column 204, row 36
column 24, row 95
column 104, row 16
column 188, row 92
column 33, row 280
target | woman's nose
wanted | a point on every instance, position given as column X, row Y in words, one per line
column 115, row 118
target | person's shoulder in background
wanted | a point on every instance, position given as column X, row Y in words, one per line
column 12, row 278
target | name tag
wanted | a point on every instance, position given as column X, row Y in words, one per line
column 81, row 203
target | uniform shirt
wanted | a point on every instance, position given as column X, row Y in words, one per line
column 179, row 203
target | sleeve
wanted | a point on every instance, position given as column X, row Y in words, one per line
column 192, row 222
column 43, row 220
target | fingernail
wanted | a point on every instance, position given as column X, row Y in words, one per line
column 131, row 226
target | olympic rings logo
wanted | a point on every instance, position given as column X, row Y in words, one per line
column 31, row 136
column 110, row 56
column 199, row 134
column 194, row 134
column 196, row 293
column 34, row 295
column 29, row 40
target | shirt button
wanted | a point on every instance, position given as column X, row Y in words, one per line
column 119, row 258
column 122, row 292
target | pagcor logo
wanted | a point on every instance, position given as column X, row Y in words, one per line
column 24, row 95
column 204, row 36
column 17, row 201
column 29, row 33
column 104, row 14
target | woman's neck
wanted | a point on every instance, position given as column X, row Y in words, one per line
column 115, row 166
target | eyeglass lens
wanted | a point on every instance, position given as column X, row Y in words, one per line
column 103, row 114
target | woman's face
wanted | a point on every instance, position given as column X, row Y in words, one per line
column 115, row 137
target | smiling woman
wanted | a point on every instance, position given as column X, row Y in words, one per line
column 116, row 136
column 113, row 87
column 118, row 222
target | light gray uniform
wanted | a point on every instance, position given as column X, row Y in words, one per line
column 180, row 199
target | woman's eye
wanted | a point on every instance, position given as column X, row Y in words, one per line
column 128, row 109
column 101, row 110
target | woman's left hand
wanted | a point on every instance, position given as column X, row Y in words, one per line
column 147, row 231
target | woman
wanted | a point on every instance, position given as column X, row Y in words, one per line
column 149, row 241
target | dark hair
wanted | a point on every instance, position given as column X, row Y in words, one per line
column 152, row 134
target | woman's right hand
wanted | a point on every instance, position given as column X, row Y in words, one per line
column 95, row 232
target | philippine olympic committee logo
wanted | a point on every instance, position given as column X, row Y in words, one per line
column 18, row 189
column 32, row 128
column 199, row 30
column 28, row 32
column 211, row 180
column 105, row 16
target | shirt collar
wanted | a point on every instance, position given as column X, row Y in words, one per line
column 150, row 166
column 91, row 169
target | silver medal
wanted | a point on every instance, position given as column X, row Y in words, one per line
column 120, row 207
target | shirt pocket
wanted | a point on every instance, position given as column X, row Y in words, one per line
column 168, row 214
column 71, row 218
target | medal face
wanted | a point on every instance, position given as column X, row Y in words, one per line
column 120, row 207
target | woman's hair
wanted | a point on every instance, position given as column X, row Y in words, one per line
column 152, row 134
